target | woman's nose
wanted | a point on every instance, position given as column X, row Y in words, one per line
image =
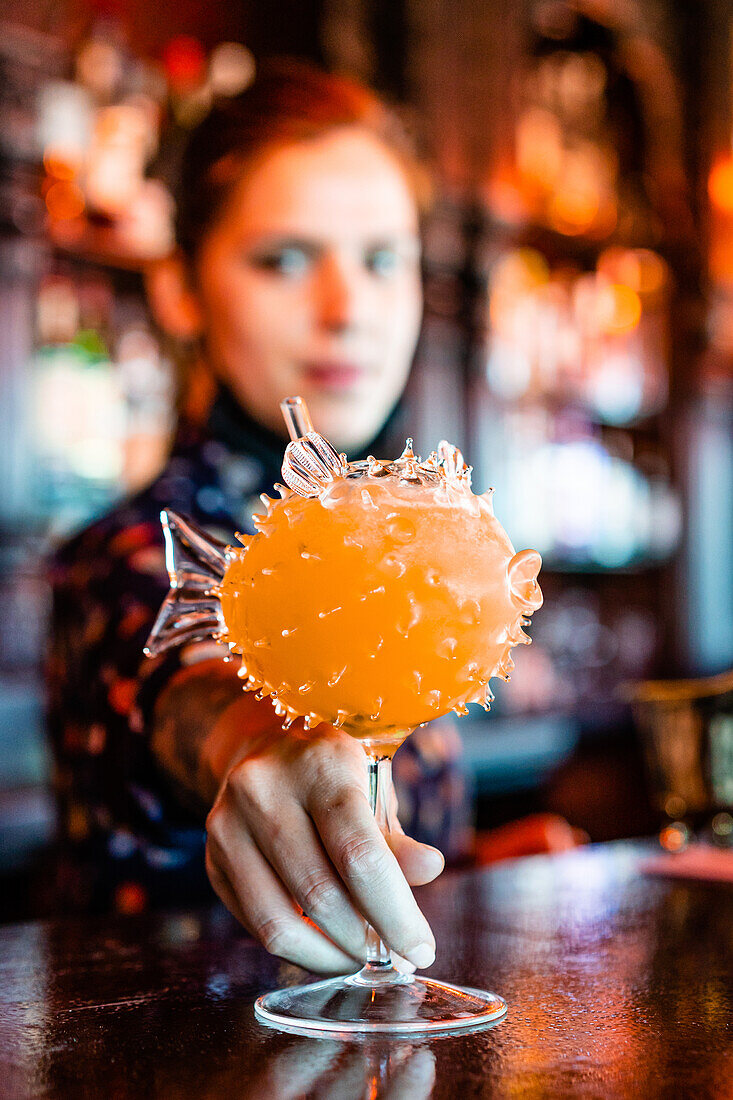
column 338, row 292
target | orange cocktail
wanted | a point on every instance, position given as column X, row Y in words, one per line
column 385, row 599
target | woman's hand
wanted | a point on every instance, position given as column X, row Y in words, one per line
column 294, row 852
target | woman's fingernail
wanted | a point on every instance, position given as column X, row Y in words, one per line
column 435, row 854
column 422, row 956
column 403, row 965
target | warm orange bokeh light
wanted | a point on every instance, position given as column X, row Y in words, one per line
column 130, row 899
column 539, row 141
column 639, row 268
column 573, row 211
column 720, row 185
column 619, row 309
column 674, row 838
column 64, row 200
column 58, row 166
column 184, row 60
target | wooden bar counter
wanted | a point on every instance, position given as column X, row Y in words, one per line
column 619, row 985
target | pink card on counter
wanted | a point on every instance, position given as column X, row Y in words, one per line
column 698, row 861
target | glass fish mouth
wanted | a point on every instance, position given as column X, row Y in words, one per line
column 396, row 469
column 311, row 463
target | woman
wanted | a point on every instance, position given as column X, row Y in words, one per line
column 297, row 272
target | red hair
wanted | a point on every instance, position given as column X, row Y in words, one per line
column 289, row 101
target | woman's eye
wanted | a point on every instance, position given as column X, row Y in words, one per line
column 382, row 261
column 291, row 262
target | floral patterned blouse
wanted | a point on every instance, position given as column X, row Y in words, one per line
column 127, row 839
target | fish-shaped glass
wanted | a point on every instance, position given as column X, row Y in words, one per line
column 374, row 596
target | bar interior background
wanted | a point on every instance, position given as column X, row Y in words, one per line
column 578, row 335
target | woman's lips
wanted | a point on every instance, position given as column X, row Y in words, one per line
column 335, row 376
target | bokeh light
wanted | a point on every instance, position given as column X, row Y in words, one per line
column 64, row 200
column 720, row 185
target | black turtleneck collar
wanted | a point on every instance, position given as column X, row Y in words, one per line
column 233, row 426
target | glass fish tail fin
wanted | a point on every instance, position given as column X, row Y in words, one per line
column 196, row 563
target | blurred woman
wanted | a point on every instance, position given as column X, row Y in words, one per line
column 297, row 272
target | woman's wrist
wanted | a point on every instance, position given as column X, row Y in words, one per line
column 197, row 727
column 243, row 728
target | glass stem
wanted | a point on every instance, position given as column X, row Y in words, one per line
column 380, row 798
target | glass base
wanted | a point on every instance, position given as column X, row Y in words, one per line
column 378, row 1001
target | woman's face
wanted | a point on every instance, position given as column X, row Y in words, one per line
column 309, row 284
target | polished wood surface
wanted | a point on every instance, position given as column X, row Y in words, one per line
column 619, row 985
